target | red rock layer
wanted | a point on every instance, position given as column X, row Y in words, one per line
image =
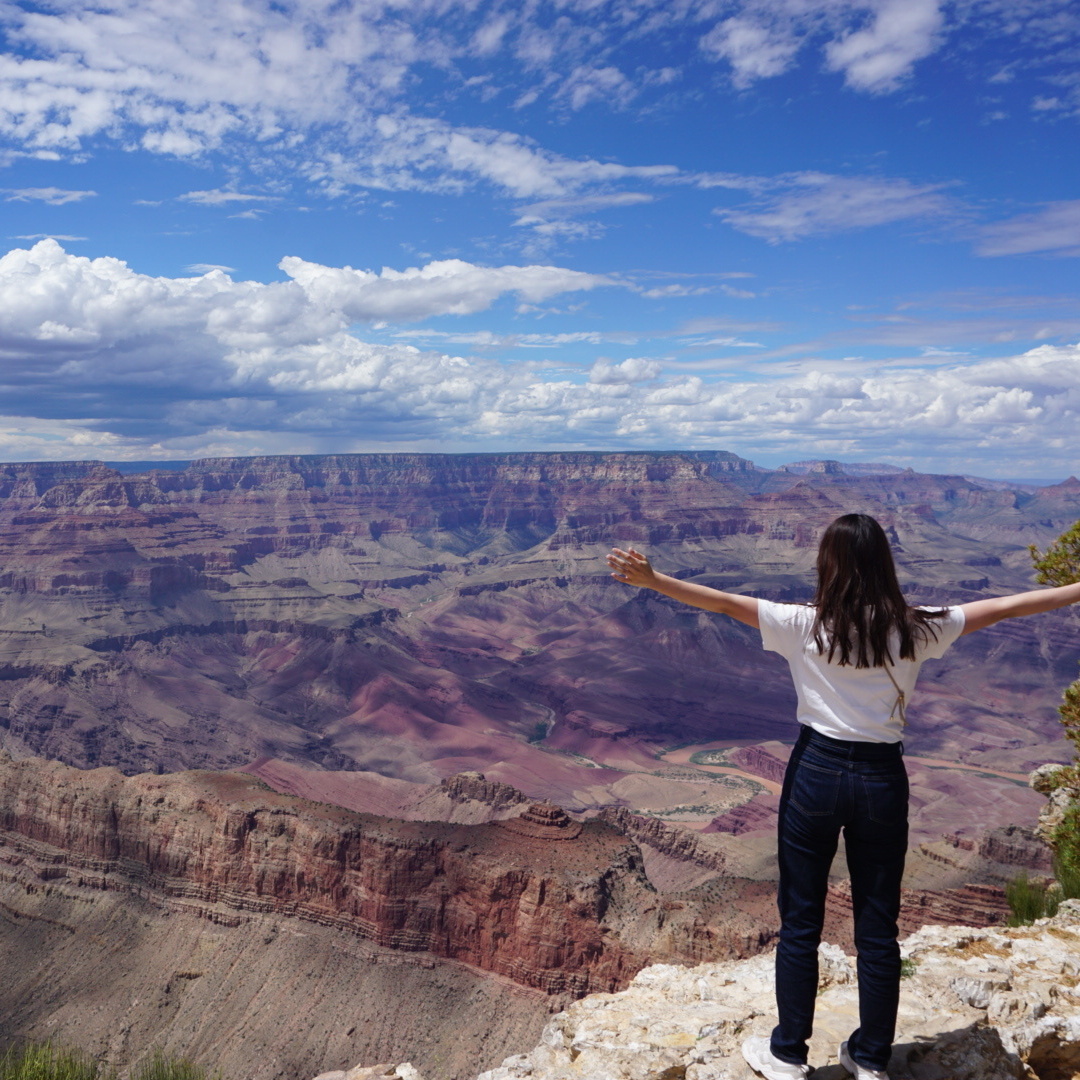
column 971, row 905
column 552, row 915
column 670, row 840
column 758, row 761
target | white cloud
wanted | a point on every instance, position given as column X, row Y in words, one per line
column 219, row 352
column 634, row 369
column 550, row 209
column 489, row 36
column 815, row 204
column 878, row 57
column 483, row 339
column 318, row 84
column 875, row 43
column 588, row 84
column 754, row 50
column 738, row 294
column 1054, row 229
column 733, row 343
column 54, row 196
column 207, row 268
column 244, row 366
column 50, row 236
column 555, row 218
column 325, row 87
column 223, row 198
column 664, row 292
column 445, row 287
column 407, row 151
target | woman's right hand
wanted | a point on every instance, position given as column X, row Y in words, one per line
column 631, row 568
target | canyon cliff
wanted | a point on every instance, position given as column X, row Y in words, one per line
column 204, row 913
column 418, row 616
column 582, row 778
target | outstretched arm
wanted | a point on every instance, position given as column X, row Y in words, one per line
column 632, row 568
column 982, row 613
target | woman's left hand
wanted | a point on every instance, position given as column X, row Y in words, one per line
column 631, row 568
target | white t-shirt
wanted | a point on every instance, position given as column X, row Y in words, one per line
column 846, row 702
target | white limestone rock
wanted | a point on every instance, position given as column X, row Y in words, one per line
column 404, row 1071
column 990, row 1004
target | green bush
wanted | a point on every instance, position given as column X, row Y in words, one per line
column 160, row 1067
column 1070, row 713
column 1028, row 900
column 44, row 1061
column 1059, row 564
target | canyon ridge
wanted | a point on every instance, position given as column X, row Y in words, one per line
column 431, row 646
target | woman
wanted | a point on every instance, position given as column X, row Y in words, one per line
column 854, row 654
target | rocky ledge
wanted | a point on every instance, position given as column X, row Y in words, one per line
column 994, row 1004
column 551, row 903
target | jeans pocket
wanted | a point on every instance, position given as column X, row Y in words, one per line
column 815, row 791
column 886, row 796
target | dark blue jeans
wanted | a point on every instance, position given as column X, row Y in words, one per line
column 861, row 788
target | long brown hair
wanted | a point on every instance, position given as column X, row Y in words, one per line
column 858, row 601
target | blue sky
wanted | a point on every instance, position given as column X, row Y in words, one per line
column 787, row 228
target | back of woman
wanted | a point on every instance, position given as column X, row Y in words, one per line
column 854, row 654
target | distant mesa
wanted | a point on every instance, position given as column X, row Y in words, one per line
column 466, row 786
column 839, row 468
column 543, row 821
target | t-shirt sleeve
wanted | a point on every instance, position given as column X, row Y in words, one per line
column 779, row 630
column 948, row 629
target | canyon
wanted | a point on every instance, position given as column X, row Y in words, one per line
column 387, row 717
column 417, row 616
column 205, row 914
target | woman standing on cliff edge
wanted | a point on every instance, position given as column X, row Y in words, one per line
column 854, row 654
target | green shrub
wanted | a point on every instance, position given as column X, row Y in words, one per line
column 159, row 1067
column 44, row 1061
column 1059, row 564
column 1066, row 844
column 1070, row 713
column 1028, row 900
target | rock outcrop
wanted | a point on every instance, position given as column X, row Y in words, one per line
column 768, row 762
column 999, row 1004
column 554, row 904
column 671, row 841
column 551, row 903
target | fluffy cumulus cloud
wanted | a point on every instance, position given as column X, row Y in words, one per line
column 753, row 49
column 100, row 360
column 93, row 335
column 880, row 55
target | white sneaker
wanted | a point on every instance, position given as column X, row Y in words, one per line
column 860, row 1072
column 760, row 1058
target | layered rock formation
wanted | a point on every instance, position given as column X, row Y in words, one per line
column 423, row 615
column 975, row 1005
column 207, row 915
column 550, row 903
column 134, row 908
column 360, row 629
